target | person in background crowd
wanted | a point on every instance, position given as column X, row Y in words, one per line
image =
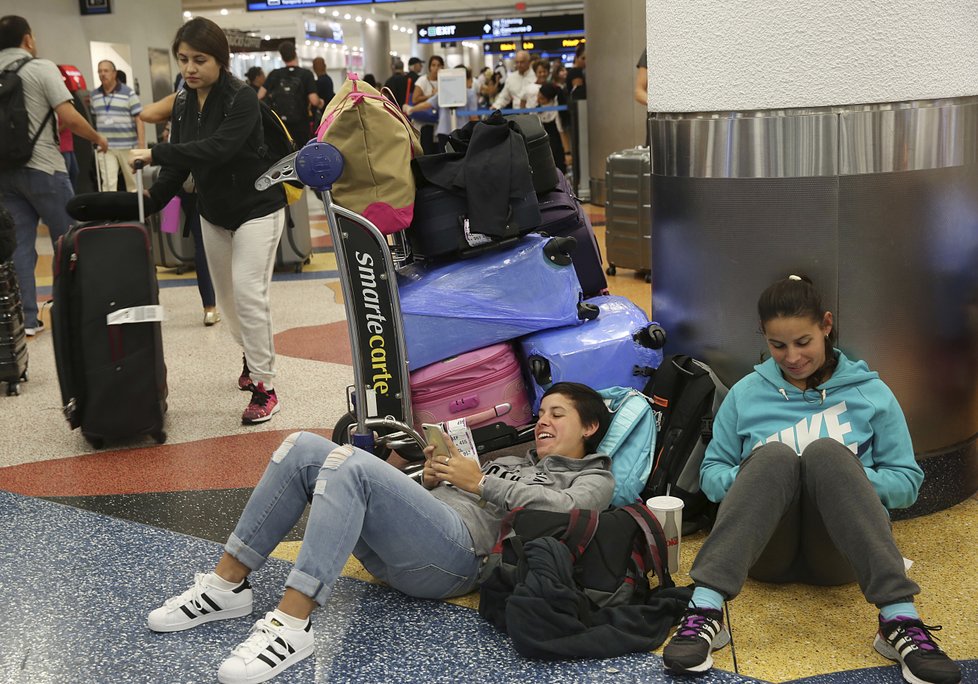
column 291, row 93
column 40, row 189
column 559, row 141
column 809, row 454
column 514, row 92
column 398, row 83
column 415, row 66
column 255, row 76
column 67, row 147
column 576, row 74
column 366, row 507
column 444, row 128
column 642, row 79
column 218, row 138
column 425, row 88
column 116, row 110
column 370, row 80
column 324, row 84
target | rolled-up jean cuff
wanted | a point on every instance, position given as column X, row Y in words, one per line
column 244, row 553
column 307, row 585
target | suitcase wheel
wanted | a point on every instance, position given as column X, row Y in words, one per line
column 540, row 370
column 96, row 442
column 652, row 336
column 611, row 270
column 648, row 277
column 160, row 436
column 13, row 389
column 587, row 312
column 559, row 250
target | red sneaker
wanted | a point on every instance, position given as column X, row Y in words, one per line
column 244, row 380
column 264, row 405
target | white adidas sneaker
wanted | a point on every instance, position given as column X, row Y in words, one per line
column 269, row 650
column 201, row 603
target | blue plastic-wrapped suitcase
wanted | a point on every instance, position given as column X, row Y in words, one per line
column 498, row 296
column 619, row 348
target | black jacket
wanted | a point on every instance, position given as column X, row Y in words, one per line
column 220, row 146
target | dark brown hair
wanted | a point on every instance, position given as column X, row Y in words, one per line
column 590, row 408
column 797, row 297
column 12, row 31
column 204, row 36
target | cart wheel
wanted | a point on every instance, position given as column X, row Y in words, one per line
column 23, row 376
column 648, row 277
column 611, row 270
column 298, row 267
column 181, row 270
column 13, row 389
column 341, row 431
column 160, row 436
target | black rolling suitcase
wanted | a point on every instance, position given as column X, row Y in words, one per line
column 545, row 174
column 13, row 340
column 108, row 345
column 562, row 215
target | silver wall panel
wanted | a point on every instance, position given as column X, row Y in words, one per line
column 878, row 204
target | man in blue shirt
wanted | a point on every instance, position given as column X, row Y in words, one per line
column 116, row 108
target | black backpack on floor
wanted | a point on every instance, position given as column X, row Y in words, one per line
column 575, row 585
column 685, row 394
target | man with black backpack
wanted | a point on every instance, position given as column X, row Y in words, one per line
column 291, row 91
column 34, row 182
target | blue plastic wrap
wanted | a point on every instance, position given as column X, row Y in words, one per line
column 601, row 353
column 498, row 296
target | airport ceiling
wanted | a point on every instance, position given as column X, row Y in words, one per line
column 282, row 22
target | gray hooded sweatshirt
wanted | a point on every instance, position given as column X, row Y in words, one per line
column 555, row 483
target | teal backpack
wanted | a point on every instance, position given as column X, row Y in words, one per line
column 630, row 441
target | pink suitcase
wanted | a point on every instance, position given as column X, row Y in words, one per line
column 483, row 386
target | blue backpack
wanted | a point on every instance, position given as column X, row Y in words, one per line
column 630, row 441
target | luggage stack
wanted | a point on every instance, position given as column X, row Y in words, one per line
column 628, row 211
column 495, row 315
column 13, row 340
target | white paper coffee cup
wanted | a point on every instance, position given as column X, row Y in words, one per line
column 668, row 510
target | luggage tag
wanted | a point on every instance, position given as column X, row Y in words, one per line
column 461, row 435
column 136, row 314
column 474, row 239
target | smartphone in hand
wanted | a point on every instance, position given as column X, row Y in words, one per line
column 437, row 438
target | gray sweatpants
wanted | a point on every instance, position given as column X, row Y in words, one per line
column 815, row 519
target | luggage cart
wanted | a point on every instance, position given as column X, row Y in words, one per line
column 380, row 397
column 380, row 416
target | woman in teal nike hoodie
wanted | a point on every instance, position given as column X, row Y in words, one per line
column 808, row 453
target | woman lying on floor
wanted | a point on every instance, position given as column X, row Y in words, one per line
column 364, row 506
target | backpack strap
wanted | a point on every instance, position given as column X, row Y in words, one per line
column 16, row 67
column 582, row 524
column 655, row 550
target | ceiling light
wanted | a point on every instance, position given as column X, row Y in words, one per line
column 224, row 12
column 336, row 13
column 347, row 16
column 187, row 15
column 267, row 36
column 371, row 22
column 359, row 18
column 393, row 26
column 322, row 10
column 308, row 42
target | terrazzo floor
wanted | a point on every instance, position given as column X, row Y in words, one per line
column 94, row 540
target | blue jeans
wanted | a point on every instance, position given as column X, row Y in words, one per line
column 360, row 505
column 29, row 195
